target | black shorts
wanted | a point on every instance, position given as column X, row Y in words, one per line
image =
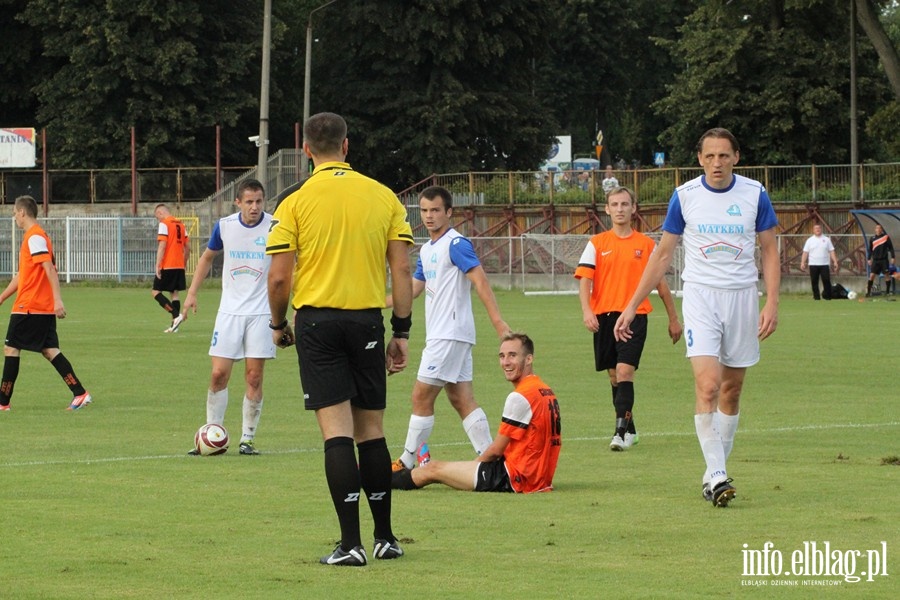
column 171, row 280
column 879, row 267
column 32, row 332
column 608, row 352
column 492, row 477
column 341, row 354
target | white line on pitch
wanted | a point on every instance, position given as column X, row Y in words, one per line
column 92, row 461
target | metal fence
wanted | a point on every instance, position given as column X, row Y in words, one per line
column 104, row 186
column 119, row 249
column 801, row 184
column 99, row 248
column 878, row 183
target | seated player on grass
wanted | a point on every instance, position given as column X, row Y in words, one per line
column 522, row 458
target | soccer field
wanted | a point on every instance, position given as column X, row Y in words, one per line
column 104, row 503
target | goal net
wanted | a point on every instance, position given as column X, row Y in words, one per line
column 548, row 263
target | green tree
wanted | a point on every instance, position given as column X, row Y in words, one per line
column 435, row 87
column 19, row 63
column 870, row 15
column 775, row 72
column 602, row 72
column 172, row 69
column 883, row 128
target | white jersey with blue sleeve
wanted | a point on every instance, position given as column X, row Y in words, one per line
column 443, row 265
column 245, row 268
column 718, row 229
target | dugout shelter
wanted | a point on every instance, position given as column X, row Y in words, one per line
column 888, row 218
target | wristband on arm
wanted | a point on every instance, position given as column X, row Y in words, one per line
column 401, row 326
column 280, row 327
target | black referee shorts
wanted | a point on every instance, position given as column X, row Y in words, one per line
column 341, row 354
column 608, row 352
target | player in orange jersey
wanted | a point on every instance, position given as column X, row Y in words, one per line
column 38, row 304
column 609, row 271
column 522, row 458
column 172, row 254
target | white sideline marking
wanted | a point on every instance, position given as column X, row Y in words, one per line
column 183, row 455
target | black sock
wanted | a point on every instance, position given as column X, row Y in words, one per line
column 164, row 302
column 342, row 474
column 402, row 480
column 64, row 368
column 869, row 287
column 615, row 390
column 375, row 475
column 176, row 308
column 10, row 374
column 624, row 403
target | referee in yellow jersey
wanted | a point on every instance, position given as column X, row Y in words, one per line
column 333, row 235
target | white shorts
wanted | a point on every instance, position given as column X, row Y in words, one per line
column 445, row 361
column 237, row 337
column 722, row 323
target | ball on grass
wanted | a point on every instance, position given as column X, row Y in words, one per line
column 211, row 439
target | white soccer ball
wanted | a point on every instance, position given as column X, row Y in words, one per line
column 851, row 295
column 211, row 439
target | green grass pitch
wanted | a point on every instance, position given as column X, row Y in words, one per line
column 104, row 503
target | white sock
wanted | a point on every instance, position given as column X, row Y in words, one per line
column 711, row 445
column 419, row 431
column 252, row 410
column 477, row 428
column 216, row 403
column 727, row 425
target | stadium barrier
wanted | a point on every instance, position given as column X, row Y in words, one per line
column 116, row 248
column 791, row 184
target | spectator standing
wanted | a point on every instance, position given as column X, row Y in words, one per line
column 818, row 254
column 609, row 182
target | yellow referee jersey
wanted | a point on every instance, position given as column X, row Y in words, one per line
column 339, row 223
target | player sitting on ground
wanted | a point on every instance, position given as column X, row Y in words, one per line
column 522, row 458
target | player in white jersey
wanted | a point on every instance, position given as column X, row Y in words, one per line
column 241, row 330
column 719, row 216
column 446, row 270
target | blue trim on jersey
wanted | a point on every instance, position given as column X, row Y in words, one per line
column 462, row 254
column 257, row 224
column 420, row 272
column 674, row 222
column 215, row 240
column 717, row 190
column 765, row 213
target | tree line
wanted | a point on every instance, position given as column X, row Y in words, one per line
column 453, row 85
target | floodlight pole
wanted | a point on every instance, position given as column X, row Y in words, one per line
column 304, row 160
column 854, row 143
column 263, row 141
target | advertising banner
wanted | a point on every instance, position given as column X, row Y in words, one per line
column 17, row 147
